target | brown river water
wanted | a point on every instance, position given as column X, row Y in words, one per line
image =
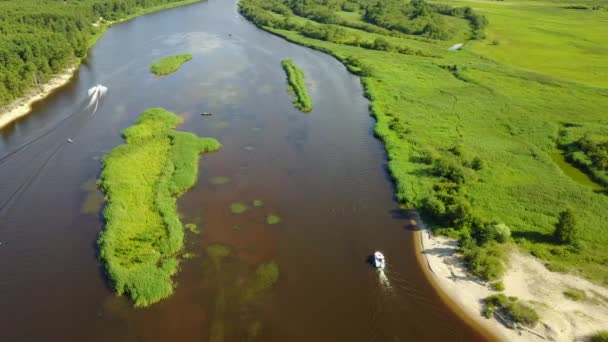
column 323, row 173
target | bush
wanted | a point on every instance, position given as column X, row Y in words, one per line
column 601, row 336
column 565, row 229
column 511, row 308
column 485, row 261
column 575, row 294
column 498, row 286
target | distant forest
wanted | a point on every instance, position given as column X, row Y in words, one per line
column 40, row 38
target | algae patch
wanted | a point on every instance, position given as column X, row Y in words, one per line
column 273, row 219
column 238, row 208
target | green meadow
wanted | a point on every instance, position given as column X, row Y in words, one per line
column 471, row 135
column 169, row 65
column 295, row 78
column 142, row 179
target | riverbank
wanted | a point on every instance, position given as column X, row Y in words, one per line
column 562, row 319
column 22, row 106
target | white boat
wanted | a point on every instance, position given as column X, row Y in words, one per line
column 70, row 140
column 379, row 260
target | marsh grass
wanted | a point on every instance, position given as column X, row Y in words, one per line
column 297, row 85
column 141, row 180
column 169, row 65
column 504, row 120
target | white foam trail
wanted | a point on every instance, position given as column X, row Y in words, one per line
column 384, row 280
column 96, row 93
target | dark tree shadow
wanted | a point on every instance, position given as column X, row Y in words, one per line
column 537, row 237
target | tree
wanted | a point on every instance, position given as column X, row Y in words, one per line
column 565, row 229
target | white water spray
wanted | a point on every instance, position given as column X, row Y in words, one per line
column 95, row 94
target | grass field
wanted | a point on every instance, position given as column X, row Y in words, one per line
column 141, row 181
column 169, row 65
column 295, row 78
column 471, row 134
column 547, row 37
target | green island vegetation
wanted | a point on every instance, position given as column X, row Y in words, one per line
column 257, row 203
column 42, row 39
column 141, row 180
column 193, row 228
column 510, row 310
column 219, row 180
column 295, row 78
column 169, row 65
column 601, row 336
column 470, row 134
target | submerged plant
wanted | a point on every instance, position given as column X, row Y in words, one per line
column 273, row 219
column 238, row 208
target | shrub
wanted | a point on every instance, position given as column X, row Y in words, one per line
column 575, row 294
column 511, row 308
column 502, row 232
column 498, row 286
column 484, row 261
column 565, row 229
column 601, row 336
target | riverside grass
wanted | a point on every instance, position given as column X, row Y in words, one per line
column 295, row 78
column 463, row 106
column 141, row 180
column 169, row 65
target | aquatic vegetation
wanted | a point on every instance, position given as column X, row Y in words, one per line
column 217, row 252
column 192, row 227
column 93, row 202
column 142, row 179
column 273, row 219
column 469, row 140
column 266, row 275
column 258, row 203
column 238, row 208
column 188, row 255
column 249, row 148
column 220, row 180
column 295, row 78
column 169, row 65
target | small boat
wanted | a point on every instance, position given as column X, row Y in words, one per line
column 70, row 141
column 379, row 261
column 206, row 113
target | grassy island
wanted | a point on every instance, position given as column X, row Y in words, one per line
column 470, row 131
column 295, row 78
column 169, row 65
column 141, row 180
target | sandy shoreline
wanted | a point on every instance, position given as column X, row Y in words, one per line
column 528, row 279
column 23, row 105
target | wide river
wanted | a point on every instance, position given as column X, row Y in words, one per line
column 323, row 173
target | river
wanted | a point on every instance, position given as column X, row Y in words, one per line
column 323, row 173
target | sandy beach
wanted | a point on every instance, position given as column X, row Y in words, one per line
column 22, row 106
column 562, row 319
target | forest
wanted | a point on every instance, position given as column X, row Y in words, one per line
column 39, row 39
